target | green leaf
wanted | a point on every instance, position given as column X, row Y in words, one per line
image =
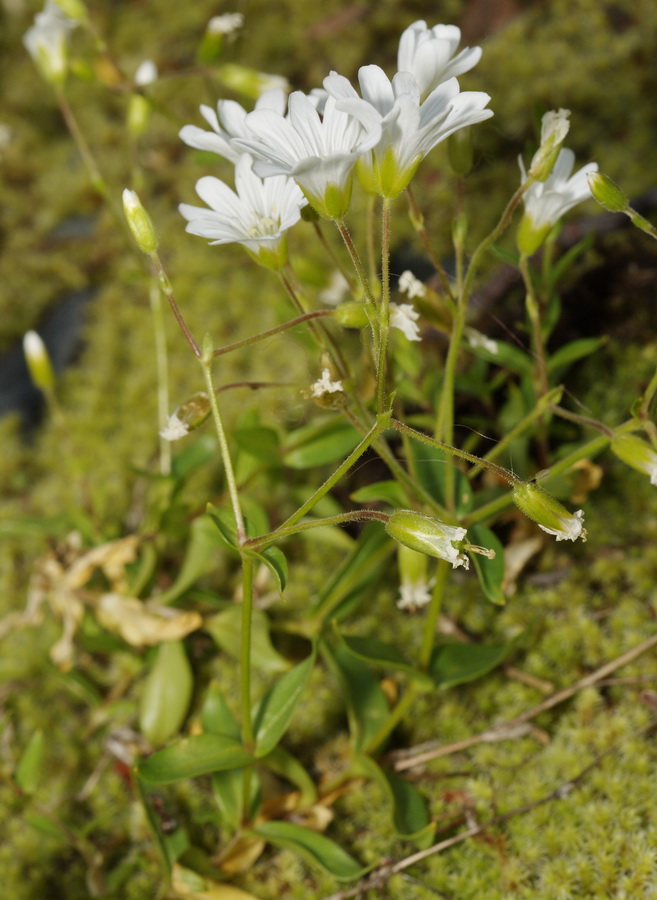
column 453, row 664
column 431, row 466
column 28, row 770
column 283, row 763
column 410, row 816
column 357, row 571
column 166, row 693
column 200, row 558
column 260, row 442
column 198, row 454
column 489, row 571
column 507, row 357
column 45, row 826
column 390, row 492
column 568, row 354
column 226, row 630
column 197, row 755
column 274, row 711
column 228, row 792
column 312, row 846
column 216, row 716
column 367, row 705
column 225, row 522
column 275, row 561
column 170, row 845
column 315, row 445
column 377, row 653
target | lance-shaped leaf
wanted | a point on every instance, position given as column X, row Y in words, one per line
column 386, row 656
column 410, row 816
column 226, row 630
column 274, row 711
column 454, row 663
column 197, row 755
column 314, row 445
column 312, row 846
column 367, row 705
column 490, row 572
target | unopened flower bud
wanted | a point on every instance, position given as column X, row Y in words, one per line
column 540, row 506
column 636, row 453
column 351, row 314
column 140, row 223
column 607, row 193
column 427, row 535
column 38, row 362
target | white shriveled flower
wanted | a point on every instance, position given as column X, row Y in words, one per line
column 410, row 285
column 477, row 339
column 228, row 122
column 428, row 54
column 413, row 595
column 228, row 23
column 47, row 42
column 174, row 429
column 550, row 515
column 547, row 201
column 404, row 316
column 427, row 535
column 404, row 129
column 319, row 152
column 257, row 216
column 324, row 385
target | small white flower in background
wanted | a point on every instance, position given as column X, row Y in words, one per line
column 228, row 23
column 428, row 54
column 477, row 339
column 47, row 42
column 414, row 595
column 404, row 317
column 228, row 123
column 547, row 201
column 318, row 152
column 337, row 287
column 146, row 73
column 174, row 429
column 324, row 385
column 257, row 216
column 402, row 129
column 411, row 286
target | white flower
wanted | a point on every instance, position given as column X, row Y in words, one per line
column 226, row 24
column 411, row 286
column 404, row 130
column 570, row 528
column 404, row 317
column 477, row 339
column 228, row 123
column 146, row 73
column 336, row 289
column 324, row 385
column 174, row 429
column 47, row 42
column 319, row 153
column 428, row 54
column 257, row 216
column 547, row 201
column 413, row 595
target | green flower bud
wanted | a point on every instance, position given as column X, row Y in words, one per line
column 607, row 193
column 554, row 128
column 38, row 362
column 540, row 506
column 427, row 535
column 351, row 314
column 140, row 223
column 636, row 453
column 529, row 237
column 166, row 694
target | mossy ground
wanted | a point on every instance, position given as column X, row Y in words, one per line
column 82, row 471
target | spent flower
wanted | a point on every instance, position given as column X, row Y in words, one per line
column 47, row 42
column 404, row 316
column 636, row 453
column 401, row 129
column 257, row 216
column 410, row 285
column 540, row 506
column 428, row 54
column 427, row 535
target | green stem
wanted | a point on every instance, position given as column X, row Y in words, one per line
column 358, row 515
column 357, row 263
column 592, row 448
column 647, row 398
column 532, row 306
column 641, row 223
column 397, row 715
column 88, row 159
column 332, row 255
column 292, row 323
column 162, row 366
column 580, row 420
column 206, row 365
column 488, row 511
column 165, row 286
column 370, row 236
column 431, row 624
column 417, row 220
column 382, row 422
column 245, row 677
column 384, row 311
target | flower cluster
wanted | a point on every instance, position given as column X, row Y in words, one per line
column 318, row 141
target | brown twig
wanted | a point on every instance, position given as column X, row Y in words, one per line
column 518, row 726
